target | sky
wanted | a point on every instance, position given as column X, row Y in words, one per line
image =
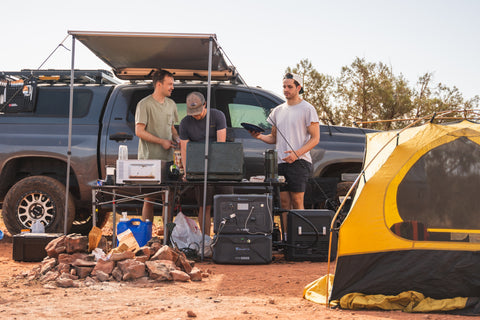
column 262, row 37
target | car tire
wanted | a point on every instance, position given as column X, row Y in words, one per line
column 37, row 197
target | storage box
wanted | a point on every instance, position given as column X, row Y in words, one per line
column 243, row 249
column 302, row 242
column 30, row 247
column 225, row 161
column 139, row 171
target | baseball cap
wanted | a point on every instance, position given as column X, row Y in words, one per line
column 295, row 77
column 195, row 102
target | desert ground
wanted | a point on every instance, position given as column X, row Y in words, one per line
column 237, row 292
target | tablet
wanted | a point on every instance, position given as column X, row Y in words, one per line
column 252, row 127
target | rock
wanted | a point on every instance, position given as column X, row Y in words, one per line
column 195, row 274
column 47, row 265
column 55, row 247
column 178, row 275
column 105, row 266
column 154, row 247
column 158, row 270
column 49, row 276
column 131, row 269
column 84, row 263
column 144, row 251
column 89, row 282
column 102, row 276
column 165, row 253
column 122, row 256
column 117, row 274
column 70, row 258
column 183, row 263
column 83, row 272
column 76, row 243
column 68, row 276
column 63, row 268
column 64, row 282
column 191, row 314
column 141, row 259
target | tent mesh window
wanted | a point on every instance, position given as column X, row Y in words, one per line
column 425, row 193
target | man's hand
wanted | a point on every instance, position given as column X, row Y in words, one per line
column 291, row 157
column 254, row 134
column 167, row 144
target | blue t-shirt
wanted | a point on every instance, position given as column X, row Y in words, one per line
column 194, row 130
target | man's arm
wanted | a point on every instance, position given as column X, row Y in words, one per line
column 222, row 135
column 147, row 136
column 175, row 136
column 314, row 130
column 267, row 138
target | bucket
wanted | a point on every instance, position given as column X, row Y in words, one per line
column 142, row 230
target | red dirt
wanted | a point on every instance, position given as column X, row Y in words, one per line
column 272, row 291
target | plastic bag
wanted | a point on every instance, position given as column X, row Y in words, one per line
column 207, row 250
column 186, row 233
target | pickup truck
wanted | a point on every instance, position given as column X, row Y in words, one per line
column 34, row 127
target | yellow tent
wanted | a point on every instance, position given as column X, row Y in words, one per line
column 415, row 220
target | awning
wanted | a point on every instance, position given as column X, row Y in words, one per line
column 135, row 56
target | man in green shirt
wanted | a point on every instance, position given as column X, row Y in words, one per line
column 155, row 117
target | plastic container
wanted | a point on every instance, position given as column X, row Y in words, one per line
column 38, row 227
column 142, row 230
column 122, row 152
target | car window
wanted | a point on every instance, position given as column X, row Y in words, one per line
column 179, row 95
column 242, row 106
column 57, row 102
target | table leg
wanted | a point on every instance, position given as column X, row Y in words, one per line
column 114, row 219
column 165, row 217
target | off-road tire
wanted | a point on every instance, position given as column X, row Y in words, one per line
column 37, row 197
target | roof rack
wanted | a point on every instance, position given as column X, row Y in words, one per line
column 61, row 76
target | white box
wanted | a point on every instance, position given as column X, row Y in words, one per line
column 139, row 171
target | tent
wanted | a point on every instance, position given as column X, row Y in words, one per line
column 414, row 224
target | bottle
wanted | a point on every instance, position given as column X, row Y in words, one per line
column 122, row 152
column 177, row 157
column 124, row 216
column 38, row 227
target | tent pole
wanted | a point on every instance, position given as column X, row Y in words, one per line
column 207, row 133
column 69, row 150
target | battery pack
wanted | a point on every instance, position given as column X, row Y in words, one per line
column 243, row 249
column 308, row 235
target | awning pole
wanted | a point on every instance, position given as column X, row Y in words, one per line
column 69, row 150
column 207, row 132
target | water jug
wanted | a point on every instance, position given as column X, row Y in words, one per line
column 38, row 227
column 142, row 230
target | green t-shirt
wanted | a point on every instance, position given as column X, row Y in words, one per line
column 158, row 119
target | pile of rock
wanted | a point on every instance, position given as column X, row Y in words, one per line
column 68, row 261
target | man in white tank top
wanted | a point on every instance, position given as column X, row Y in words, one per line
column 295, row 131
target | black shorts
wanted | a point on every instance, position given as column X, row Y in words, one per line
column 296, row 175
